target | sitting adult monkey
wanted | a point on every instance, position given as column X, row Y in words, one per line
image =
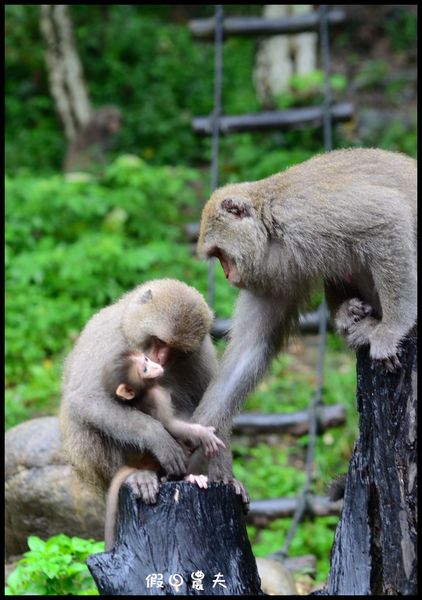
column 348, row 218
column 169, row 321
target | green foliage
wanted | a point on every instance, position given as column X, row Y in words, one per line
column 75, row 246
column 402, row 27
column 316, row 536
column 308, row 89
column 156, row 72
column 54, row 567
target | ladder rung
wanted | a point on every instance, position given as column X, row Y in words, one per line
column 297, row 423
column 308, row 323
column 294, row 117
column 253, row 26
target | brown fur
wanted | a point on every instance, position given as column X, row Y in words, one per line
column 346, row 218
column 93, row 140
column 100, row 434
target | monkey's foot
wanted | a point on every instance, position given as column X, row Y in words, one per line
column 349, row 313
column 390, row 364
column 200, row 480
column 241, row 491
column 359, row 333
column 144, row 484
column 239, row 488
column 385, row 347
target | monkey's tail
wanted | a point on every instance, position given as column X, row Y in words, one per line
column 112, row 505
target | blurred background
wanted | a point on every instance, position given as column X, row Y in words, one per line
column 98, row 200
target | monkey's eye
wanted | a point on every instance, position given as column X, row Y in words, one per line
column 145, row 369
column 235, row 209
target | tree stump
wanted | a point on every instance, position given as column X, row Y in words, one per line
column 374, row 550
column 192, row 541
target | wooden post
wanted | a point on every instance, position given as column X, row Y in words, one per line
column 374, row 550
column 192, row 538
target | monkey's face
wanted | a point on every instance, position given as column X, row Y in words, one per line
column 145, row 368
column 166, row 317
column 232, row 232
column 160, row 352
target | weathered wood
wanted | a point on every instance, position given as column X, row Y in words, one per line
column 271, row 120
column 253, row 26
column 374, row 550
column 188, row 531
column 296, row 423
column 263, row 511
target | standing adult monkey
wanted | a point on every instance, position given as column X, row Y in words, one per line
column 348, row 218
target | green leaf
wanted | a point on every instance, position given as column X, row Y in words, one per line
column 35, row 543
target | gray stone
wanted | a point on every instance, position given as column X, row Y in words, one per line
column 276, row 579
column 43, row 496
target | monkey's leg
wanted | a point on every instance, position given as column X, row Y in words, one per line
column 260, row 325
column 354, row 323
column 349, row 313
column 345, row 305
column 144, row 484
column 399, row 314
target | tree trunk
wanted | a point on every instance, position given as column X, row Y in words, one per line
column 281, row 56
column 374, row 550
column 64, row 67
column 192, row 541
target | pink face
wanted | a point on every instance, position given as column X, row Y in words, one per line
column 229, row 267
column 160, row 352
column 147, row 368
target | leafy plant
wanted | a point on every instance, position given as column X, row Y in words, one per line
column 54, row 567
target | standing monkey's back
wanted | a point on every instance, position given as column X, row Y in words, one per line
column 339, row 168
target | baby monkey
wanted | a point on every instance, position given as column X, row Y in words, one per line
column 133, row 377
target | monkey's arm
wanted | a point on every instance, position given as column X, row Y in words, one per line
column 255, row 339
column 132, row 427
column 182, row 430
column 260, row 324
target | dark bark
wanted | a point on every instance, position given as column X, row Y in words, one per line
column 186, row 531
column 374, row 550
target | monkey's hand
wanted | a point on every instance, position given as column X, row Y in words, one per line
column 171, row 456
column 210, row 442
column 144, row 484
column 200, row 480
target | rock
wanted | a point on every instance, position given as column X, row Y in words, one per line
column 276, row 579
column 43, row 497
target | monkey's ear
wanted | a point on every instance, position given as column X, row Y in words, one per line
column 145, row 297
column 237, row 208
column 125, row 392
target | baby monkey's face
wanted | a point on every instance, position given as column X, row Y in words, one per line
column 144, row 368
